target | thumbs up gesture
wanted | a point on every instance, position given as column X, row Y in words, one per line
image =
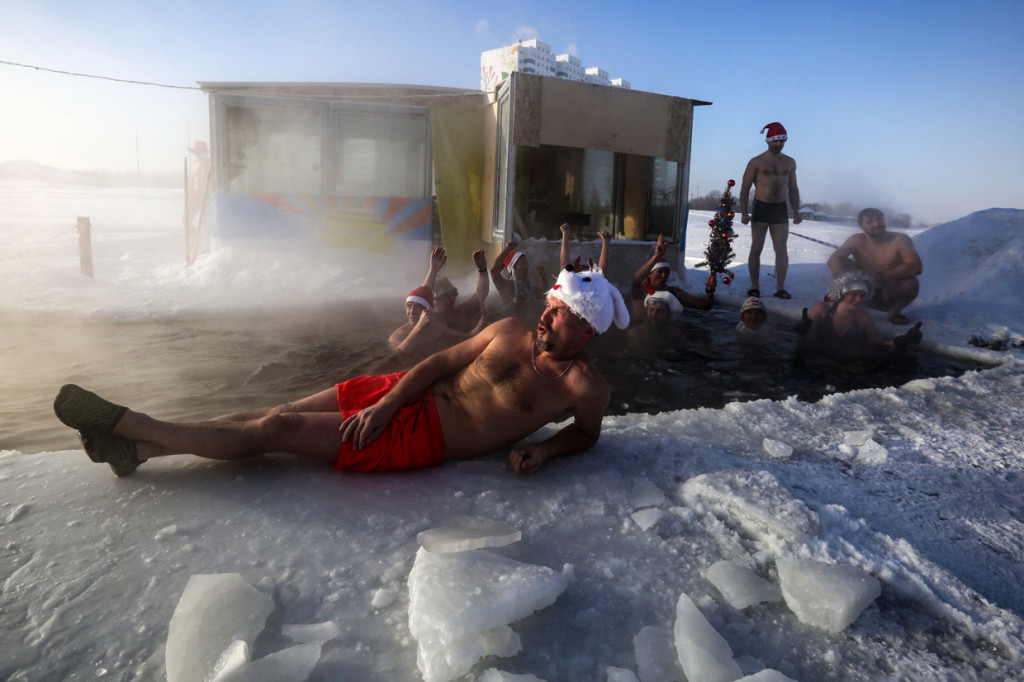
column 804, row 325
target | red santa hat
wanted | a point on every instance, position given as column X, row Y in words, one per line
column 510, row 261
column 775, row 132
column 421, row 295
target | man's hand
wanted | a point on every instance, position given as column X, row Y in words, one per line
column 912, row 336
column 804, row 325
column 604, row 235
column 564, row 229
column 438, row 258
column 745, row 219
column 797, row 219
column 711, row 283
column 660, row 246
column 527, row 459
column 363, row 426
column 480, row 260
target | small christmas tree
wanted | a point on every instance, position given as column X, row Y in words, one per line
column 719, row 253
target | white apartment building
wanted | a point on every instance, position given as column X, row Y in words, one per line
column 535, row 56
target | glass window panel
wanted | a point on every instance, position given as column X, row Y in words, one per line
column 273, row 150
column 380, row 154
column 664, row 198
column 597, row 190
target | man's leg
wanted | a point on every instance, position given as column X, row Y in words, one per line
column 758, row 233
column 780, row 237
column 899, row 294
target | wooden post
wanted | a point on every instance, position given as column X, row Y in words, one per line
column 85, row 245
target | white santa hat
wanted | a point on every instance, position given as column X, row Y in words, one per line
column 592, row 297
column 675, row 308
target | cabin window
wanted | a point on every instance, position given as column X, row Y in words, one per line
column 273, row 150
column 380, row 154
column 627, row 195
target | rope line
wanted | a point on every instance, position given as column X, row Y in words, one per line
column 106, row 78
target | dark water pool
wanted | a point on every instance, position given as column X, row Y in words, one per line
column 719, row 366
column 199, row 365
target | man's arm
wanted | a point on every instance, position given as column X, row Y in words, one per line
column 506, row 290
column 563, row 251
column 748, row 179
column 437, row 261
column 705, row 302
column 606, row 240
column 910, row 261
column 582, row 433
column 844, row 258
column 636, row 289
column 482, row 286
column 363, row 426
column 794, row 196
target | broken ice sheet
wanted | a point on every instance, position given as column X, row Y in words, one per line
column 213, row 612
column 453, row 596
column 827, row 596
column 740, row 586
column 703, row 653
column 314, row 632
column 646, row 494
column 468, row 532
column 753, row 501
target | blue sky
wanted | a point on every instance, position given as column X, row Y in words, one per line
column 915, row 106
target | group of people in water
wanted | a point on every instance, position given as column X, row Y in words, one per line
column 873, row 269
column 486, row 385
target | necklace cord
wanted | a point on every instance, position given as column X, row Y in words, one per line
column 533, row 356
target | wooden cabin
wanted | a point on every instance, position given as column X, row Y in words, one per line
column 399, row 168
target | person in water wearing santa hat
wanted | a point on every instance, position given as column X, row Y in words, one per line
column 471, row 315
column 510, row 273
column 773, row 175
column 652, row 277
column 485, row 394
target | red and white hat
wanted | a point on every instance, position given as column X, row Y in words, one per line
column 775, row 132
column 593, row 298
column 510, row 261
column 421, row 295
column 661, row 263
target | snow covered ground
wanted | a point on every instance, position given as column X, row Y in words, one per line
column 917, row 486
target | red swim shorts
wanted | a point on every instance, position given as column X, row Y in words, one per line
column 412, row 440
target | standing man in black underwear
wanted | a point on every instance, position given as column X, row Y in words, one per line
column 773, row 175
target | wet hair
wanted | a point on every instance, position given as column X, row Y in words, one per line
column 869, row 212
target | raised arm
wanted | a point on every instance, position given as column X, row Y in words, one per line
column 563, row 252
column 437, row 261
column 636, row 289
column 482, row 286
column 606, row 240
column 506, row 290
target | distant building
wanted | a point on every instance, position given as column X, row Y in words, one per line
column 535, row 56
